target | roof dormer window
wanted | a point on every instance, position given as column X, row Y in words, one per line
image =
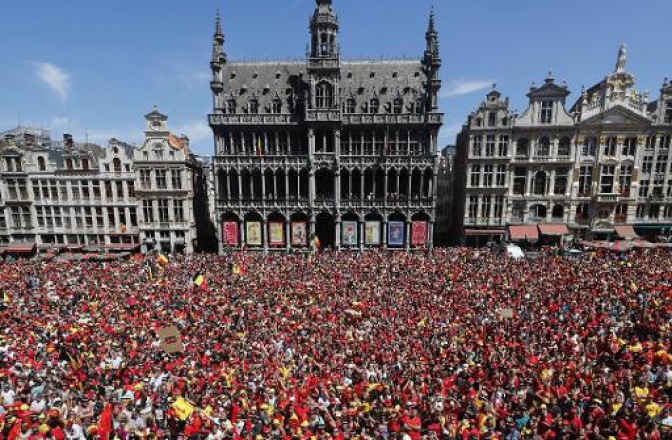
column 546, row 116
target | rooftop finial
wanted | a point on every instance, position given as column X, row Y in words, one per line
column 432, row 37
column 622, row 59
column 432, row 26
column 218, row 23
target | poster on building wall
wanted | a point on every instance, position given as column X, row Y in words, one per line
column 299, row 234
column 230, row 234
column 253, row 231
column 419, row 233
column 395, row 235
column 350, row 234
column 372, row 233
column 276, row 233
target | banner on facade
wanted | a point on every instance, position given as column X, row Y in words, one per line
column 276, row 233
column 350, row 235
column 253, row 232
column 395, row 235
column 372, row 233
column 299, row 234
column 419, row 233
column 230, row 234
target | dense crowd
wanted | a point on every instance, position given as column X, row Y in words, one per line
column 450, row 344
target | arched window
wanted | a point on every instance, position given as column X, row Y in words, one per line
column 68, row 164
column 558, row 212
column 41, row 164
column 85, row 164
column 116, row 165
column 277, row 106
column 538, row 212
column 419, row 105
column 478, row 122
column 350, row 105
column 374, row 105
column 539, row 184
column 543, row 147
column 565, row 147
column 324, row 95
column 231, row 106
column 492, row 119
column 398, row 106
column 253, row 106
column 522, row 147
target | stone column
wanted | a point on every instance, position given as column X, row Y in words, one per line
column 287, row 236
column 384, row 240
column 408, row 235
column 362, row 233
column 338, row 232
column 430, row 236
column 264, row 234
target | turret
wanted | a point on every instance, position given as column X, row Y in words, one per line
column 432, row 62
column 324, row 31
column 217, row 63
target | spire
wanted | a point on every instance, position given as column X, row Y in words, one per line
column 622, row 59
column 432, row 37
column 218, row 41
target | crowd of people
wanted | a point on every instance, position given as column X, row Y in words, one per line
column 449, row 344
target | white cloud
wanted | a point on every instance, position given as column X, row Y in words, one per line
column 57, row 79
column 196, row 131
column 462, row 87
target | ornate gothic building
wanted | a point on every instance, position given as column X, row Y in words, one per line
column 599, row 168
column 342, row 150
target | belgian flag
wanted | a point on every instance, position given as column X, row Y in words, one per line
column 199, row 281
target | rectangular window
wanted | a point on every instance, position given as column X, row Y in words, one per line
column 644, row 188
column 589, row 147
column 39, row 212
column 122, row 216
column 88, row 215
column 519, row 181
column 610, row 146
column 490, row 145
column 176, row 177
column 163, row 211
column 668, row 112
column 111, row 219
column 585, row 181
column 131, row 189
column 487, row 175
column 134, row 217
column 96, row 190
column 99, row 218
column 473, row 206
column 475, row 176
column 120, row 190
column 647, row 164
column 161, row 182
column 499, row 207
column 561, row 176
column 477, row 149
column 503, row 147
column 661, row 164
column 145, row 179
column 546, row 116
column 486, row 207
column 630, row 147
column 75, row 190
column 148, row 211
column 501, row 175
column 607, row 179
column 178, row 211
column 625, row 180
column 658, row 187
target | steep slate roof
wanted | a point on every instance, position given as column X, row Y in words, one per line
column 359, row 79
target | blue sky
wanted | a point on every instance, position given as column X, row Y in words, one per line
column 98, row 66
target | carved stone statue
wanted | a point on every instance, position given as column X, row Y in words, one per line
column 622, row 59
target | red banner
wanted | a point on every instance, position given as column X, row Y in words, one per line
column 230, row 234
column 419, row 233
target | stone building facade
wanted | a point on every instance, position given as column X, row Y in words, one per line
column 81, row 196
column 598, row 169
column 345, row 151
